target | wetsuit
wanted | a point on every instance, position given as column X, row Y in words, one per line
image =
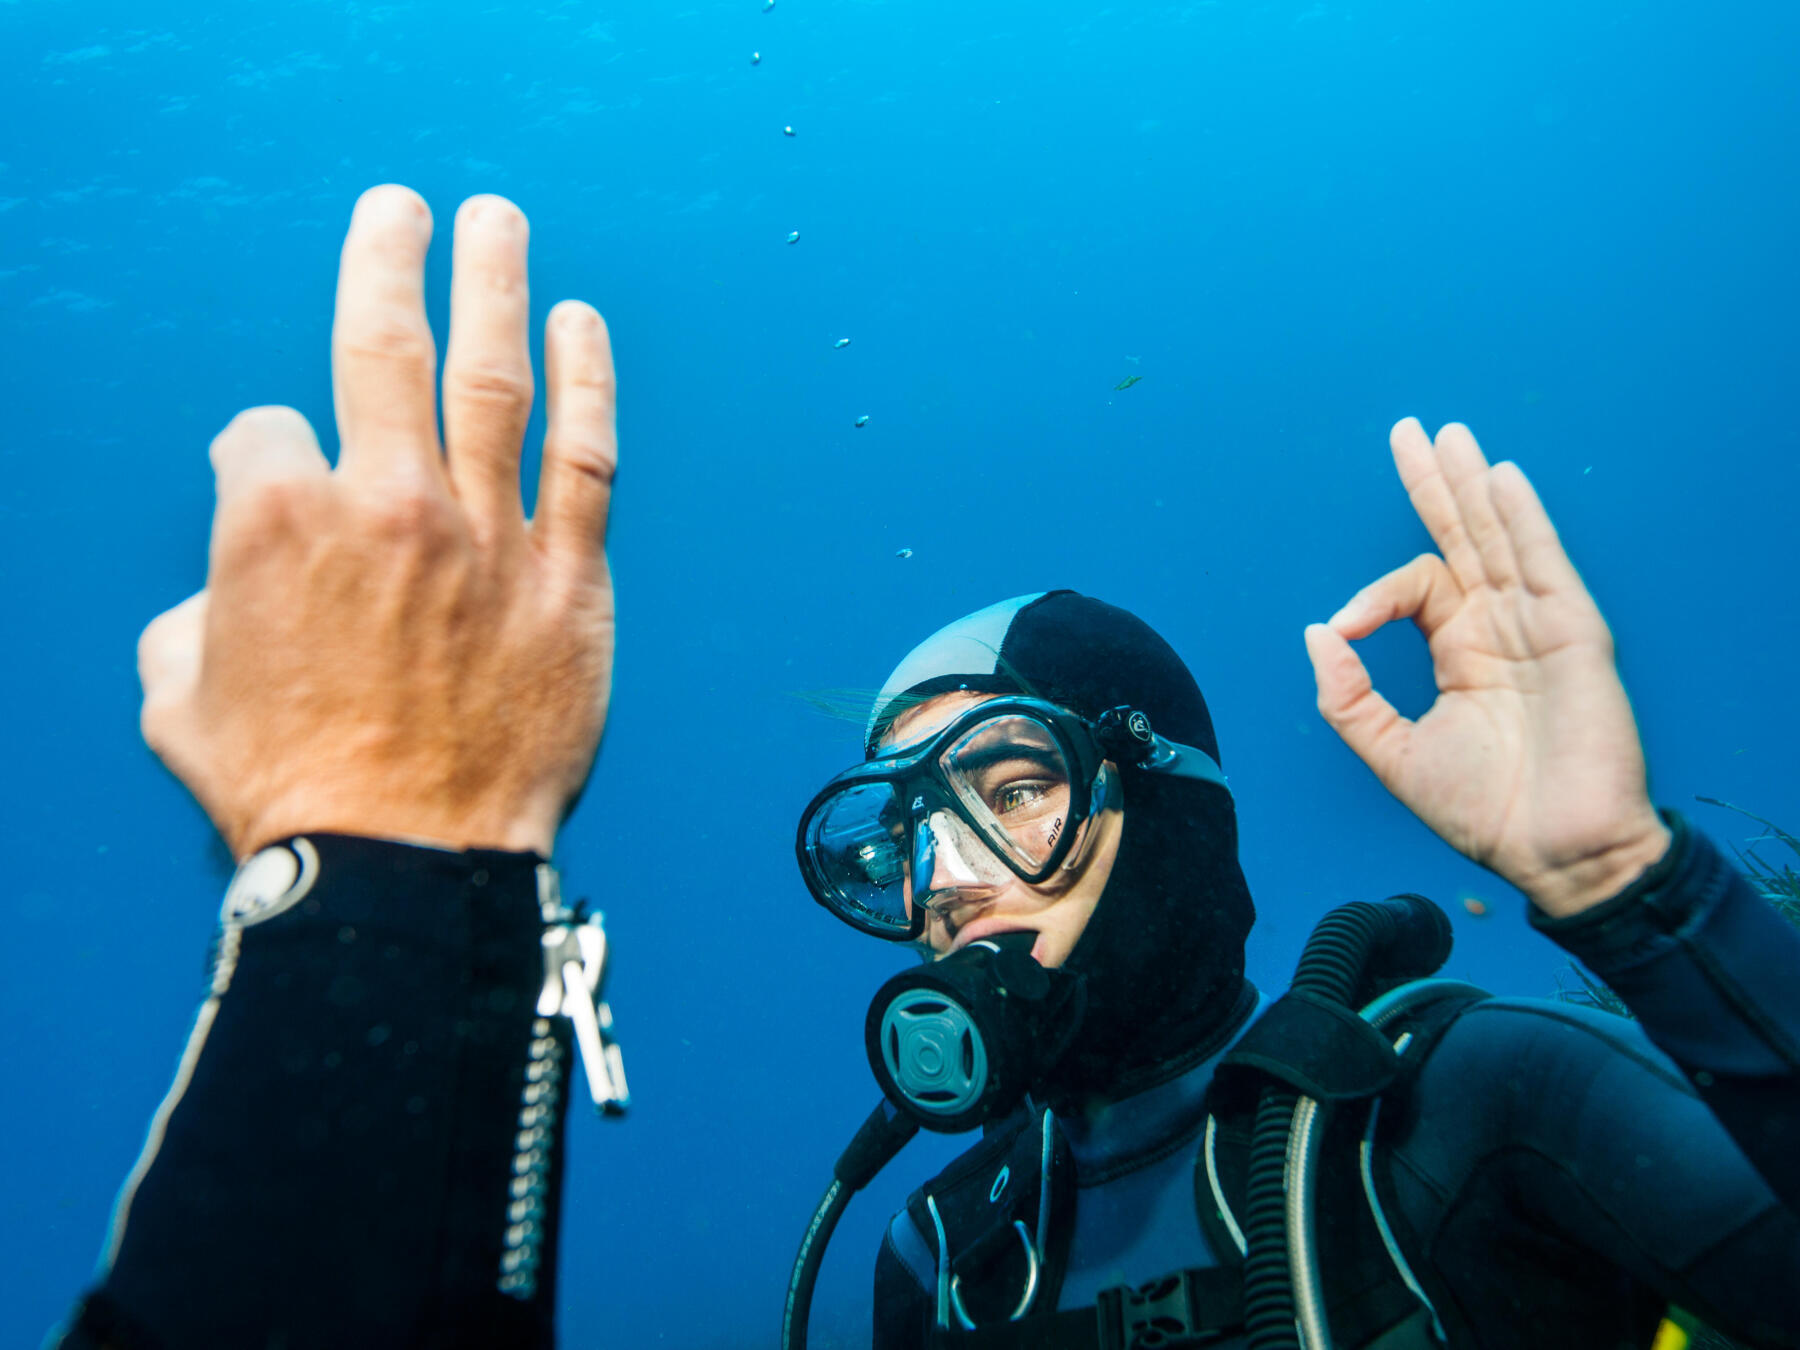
column 363, row 1143
column 1560, row 1174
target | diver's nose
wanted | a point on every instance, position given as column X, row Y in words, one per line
column 940, row 856
column 949, row 870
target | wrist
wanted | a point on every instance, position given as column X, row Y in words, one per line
column 425, row 829
column 1595, row 880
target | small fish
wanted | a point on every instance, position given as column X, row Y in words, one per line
column 1128, row 381
column 768, row 5
column 1477, row 908
column 903, row 553
column 787, row 131
column 863, row 421
column 794, row 238
column 840, row 344
column 756, row 58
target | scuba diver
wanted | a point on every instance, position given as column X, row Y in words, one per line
column 1171, row 1158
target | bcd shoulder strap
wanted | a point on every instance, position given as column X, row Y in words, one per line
column 1369, row 1305
column 990, row 1211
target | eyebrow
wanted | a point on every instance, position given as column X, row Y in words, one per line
column 987, row 757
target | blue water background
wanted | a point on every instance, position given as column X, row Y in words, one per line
column 1571, row 226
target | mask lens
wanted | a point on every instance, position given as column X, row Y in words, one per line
column 1012, row 775
column 856, row 844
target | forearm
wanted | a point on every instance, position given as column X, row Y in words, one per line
column 1713, row 974
column 348, row 1155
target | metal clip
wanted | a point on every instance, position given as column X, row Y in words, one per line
column 575, row 957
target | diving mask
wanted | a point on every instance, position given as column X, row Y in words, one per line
column 1007, row 788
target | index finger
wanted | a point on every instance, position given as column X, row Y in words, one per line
column 383, row 359
column 581, row 448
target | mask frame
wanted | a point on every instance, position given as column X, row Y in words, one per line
column 915, row 777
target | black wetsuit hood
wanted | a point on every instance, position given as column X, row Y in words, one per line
column 1163, row 954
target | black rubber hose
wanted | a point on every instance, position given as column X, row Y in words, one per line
column 882, row 1135
column 798, row 1310
column 1354, row 946
column 1268, row 1289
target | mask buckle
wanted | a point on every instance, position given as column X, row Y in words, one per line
column 1125, row 734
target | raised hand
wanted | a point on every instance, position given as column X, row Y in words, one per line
column 1529, row 761
column 389, row 648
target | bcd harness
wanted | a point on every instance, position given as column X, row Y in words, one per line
column 999, row 1220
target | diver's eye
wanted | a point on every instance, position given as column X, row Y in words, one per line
column 1017, row 796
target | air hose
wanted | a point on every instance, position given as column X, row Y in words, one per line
column 1357, row 952
column 883, row 1134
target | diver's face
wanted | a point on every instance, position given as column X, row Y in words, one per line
column 1056, row 909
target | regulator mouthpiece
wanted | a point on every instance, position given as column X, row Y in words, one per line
column 960, row 1041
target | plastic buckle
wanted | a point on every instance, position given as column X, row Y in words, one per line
column 1126, row 733
column 1163, row 1314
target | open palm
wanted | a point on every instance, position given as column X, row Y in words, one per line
column 1529, row 761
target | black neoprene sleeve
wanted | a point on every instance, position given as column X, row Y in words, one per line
column 1557, row 1183
column 350, row 1155
column 1712, row 973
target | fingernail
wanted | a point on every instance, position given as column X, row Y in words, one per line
column 574, row 317
column 496, row 213
column 1347, row 616
column 393, row 204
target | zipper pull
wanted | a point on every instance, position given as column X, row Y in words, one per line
column 575, row 960
column 583, row 973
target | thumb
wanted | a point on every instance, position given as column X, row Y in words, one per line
column 267, row 444
column 168, row 659
column 1351, row 706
